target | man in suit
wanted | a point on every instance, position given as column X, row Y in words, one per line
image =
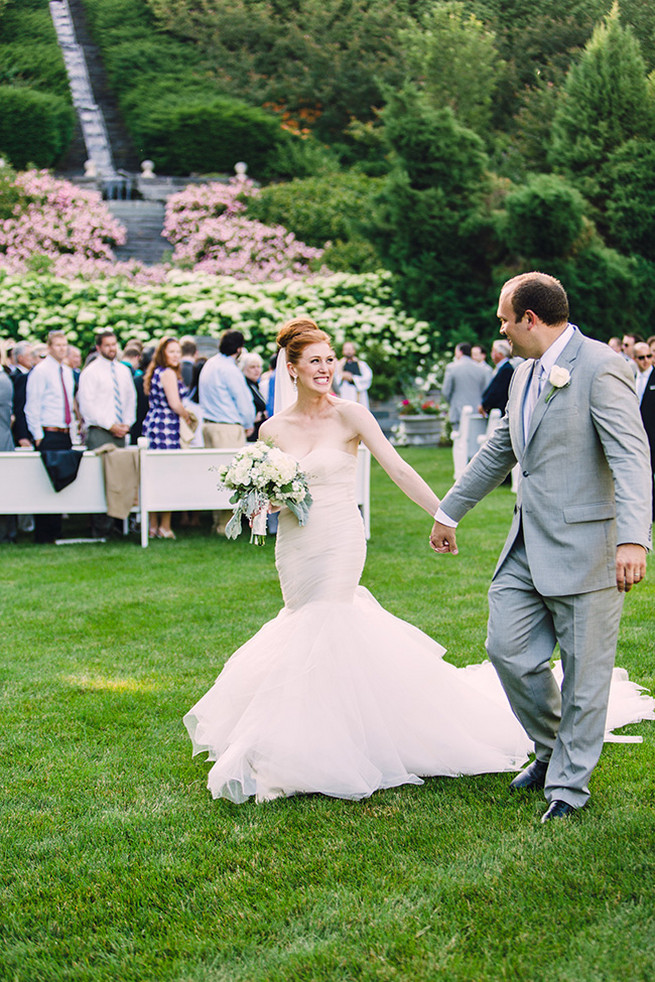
column 49, row 414
column 646, row 397
column 578, row 538
column 464, row 382
column 495, row 395
column 24, row 359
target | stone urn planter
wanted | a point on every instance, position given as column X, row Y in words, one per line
column 420, row 431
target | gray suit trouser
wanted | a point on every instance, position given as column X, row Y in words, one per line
column 524, row 627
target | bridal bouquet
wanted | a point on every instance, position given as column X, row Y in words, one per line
column 259, row 475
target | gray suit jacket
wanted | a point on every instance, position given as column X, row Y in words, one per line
column 585, row 471
column 464, row 382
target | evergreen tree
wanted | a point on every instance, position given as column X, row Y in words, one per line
column 606, row 101
column 630, row 182
column 432, row 227
column 454, row 59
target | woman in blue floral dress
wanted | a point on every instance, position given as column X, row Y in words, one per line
column 165, row 390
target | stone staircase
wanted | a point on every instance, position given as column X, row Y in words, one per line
column 143, row 221
column 125, row 156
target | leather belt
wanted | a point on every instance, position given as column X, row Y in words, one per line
column 56, row 429
column 217, row 423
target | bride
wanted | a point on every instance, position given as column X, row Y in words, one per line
column 336, row 695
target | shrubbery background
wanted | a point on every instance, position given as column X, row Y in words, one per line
column 451, row 142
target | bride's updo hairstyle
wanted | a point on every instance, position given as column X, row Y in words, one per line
column 297, row 334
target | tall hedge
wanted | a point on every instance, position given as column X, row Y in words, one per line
column 35, row 127
column 206, row 135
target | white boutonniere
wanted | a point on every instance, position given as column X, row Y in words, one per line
column 559, row 377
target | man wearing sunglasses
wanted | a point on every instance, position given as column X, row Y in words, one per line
column 646, row 394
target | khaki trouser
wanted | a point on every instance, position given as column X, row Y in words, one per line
column 219, row 436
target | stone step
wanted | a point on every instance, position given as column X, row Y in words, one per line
column 143, row 221
column 125, row 157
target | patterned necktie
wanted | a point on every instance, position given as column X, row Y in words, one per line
column 534, row 391
column 67, row 408
column 118, row 408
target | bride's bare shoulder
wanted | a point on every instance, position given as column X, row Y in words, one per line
column 274, row 427
column 352, row 412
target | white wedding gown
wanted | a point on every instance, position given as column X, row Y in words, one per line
column 338, row 696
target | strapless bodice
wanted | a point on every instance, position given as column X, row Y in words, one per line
column 323, row 559
column 330, row 473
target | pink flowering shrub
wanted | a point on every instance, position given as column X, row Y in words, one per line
column 211, row 233
column 54, row 220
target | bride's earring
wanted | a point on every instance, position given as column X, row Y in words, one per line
column 294, row 382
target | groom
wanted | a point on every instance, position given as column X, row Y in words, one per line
column 578, row 538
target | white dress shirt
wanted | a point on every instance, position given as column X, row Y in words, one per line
column 224, row 393
column 44, row 400
column 95, row 395
column 641, row 382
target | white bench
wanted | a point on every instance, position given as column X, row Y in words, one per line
column 187, row 480
column 495, row 417
column 25, row 487
column 170, row 480
column 465, row 440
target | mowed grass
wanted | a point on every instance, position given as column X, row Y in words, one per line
column 117, row 865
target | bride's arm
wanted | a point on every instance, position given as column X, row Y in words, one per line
column 411, row 483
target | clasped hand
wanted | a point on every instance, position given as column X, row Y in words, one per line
column 442, row 539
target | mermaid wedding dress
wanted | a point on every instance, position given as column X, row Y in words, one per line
column 338, row 696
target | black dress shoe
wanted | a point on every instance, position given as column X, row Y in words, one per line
column 558, row 809
column 533, row 778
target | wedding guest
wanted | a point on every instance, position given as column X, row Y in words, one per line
column 7, row 522
column 645, row 386
column 226, row 403
column 464, row 382
column 165, row 390
column 644, row 363
column 479, row 355
column 23, row 364
column 131, row 357
column 251, row 365
column 49, row 415
column 189, row 354
column 106, row 397
column 194, row 388
column 495, row 394
column 615, row 344
column 107, row 403
column 353, row 376
column 141, row 397
column 628, row 350
column 265, row 379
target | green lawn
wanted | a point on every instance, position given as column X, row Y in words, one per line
column 117, row 865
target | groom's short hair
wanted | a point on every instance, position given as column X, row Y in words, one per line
column 540, row 293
